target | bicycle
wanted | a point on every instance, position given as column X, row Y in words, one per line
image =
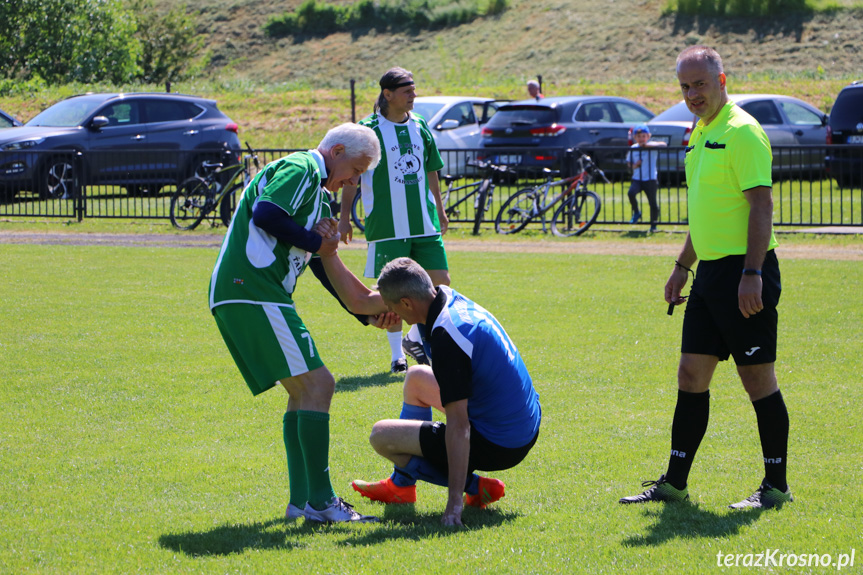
column 481, row 190
column 578, row 209
column 198, row 196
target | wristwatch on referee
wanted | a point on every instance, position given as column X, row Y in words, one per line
column 751, row 272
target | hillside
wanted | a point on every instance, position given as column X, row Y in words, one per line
column 566, row 42
column 287, row 93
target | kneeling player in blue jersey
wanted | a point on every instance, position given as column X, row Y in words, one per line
column 477, row 377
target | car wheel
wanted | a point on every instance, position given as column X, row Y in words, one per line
column 57, row 178
column 847, row 180
column 7, row 194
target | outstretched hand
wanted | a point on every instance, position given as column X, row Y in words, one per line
column 384, row 320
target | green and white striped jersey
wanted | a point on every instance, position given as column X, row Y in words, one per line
column 396, row 195
column 254, row 267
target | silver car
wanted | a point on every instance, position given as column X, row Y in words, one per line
column 455, row 123
column 787, row 121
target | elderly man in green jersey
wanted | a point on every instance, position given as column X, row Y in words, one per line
column 268, row 245
column 405, row 216
column 732, row 305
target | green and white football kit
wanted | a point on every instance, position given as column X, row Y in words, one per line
column 253, row 281
column 399, row 205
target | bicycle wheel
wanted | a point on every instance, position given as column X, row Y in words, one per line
column 515, row 213
column 229, row 203
column 190, row 203
column 481, row 203
column 358, row 214
column 575, row 214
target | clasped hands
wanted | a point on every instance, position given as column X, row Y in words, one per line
column 328, row 229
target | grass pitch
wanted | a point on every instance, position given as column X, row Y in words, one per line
column 129, row 443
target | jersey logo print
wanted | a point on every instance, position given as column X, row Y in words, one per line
column 753, row 350
column 408, row 164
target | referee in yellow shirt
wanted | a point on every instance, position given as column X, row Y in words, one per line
column 732, row 305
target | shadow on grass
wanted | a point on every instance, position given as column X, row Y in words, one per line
column 688, row 521
column 235, row 538
column 356, row 383
column 402, row 522
column 396, row 524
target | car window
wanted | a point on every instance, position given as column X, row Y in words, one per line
column 169, row 111
column 65, row 114
column 4, row 123
column 594, row 112
column 630, row 113
column 462, row 113
column 426, row 110
column 764, row 111
column 677, row 113
column 484, row 110
column 847, row 109
column 800, row 115
column 522, row 116
column 122, row 113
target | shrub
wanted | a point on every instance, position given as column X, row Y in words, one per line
column 741, row 8
column 317, row 18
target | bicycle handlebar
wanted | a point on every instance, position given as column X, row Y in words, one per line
column 254, row 155
column 491, row 167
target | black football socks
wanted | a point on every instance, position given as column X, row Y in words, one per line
column 773, row 428
column 687, row 431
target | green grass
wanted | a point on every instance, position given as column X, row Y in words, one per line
column 128, row 441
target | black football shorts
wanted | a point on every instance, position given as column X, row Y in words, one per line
column 714, row 325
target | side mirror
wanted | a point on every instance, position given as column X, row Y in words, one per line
column 99, row 122
column 824, row 119
column 448, row 125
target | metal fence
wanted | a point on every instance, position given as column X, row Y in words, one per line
column 813, row 185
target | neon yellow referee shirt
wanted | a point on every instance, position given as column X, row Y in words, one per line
column 724, row 158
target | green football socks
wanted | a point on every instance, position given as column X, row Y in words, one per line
column 314, row 436
column 297, row 479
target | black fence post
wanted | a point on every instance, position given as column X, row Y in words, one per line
column 78, row 186
column 168, row 86
column 353, row 101
column 539, row 79
column 568, row 167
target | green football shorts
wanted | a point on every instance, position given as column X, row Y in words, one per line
column 427, row 251
column 268, row 342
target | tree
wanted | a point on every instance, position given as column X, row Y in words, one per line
column 169, row 42
column 68, row 40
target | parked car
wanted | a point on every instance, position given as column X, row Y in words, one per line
column 139, row 141
column 846, row 127
column 8, row 121
column 588, row 123
column 787, row 121
column 455, row 123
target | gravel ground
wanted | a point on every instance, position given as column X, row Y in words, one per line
column 576, row 246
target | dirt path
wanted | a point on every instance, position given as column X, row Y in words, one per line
column 576, row 246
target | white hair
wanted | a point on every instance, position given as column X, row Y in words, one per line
column 357, row 140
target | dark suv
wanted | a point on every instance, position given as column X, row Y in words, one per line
column 8, row 121
column 845, row 126
column 541, row 129
column 139, row 141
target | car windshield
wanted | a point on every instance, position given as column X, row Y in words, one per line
column 521, row 116
column 426, row 109
column 677, row 113
column 68, row 113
